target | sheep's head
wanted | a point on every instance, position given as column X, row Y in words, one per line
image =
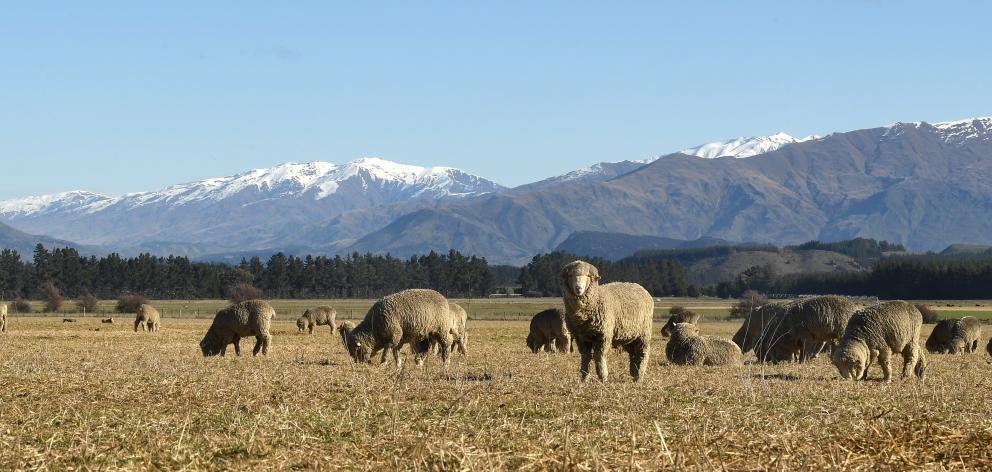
column 211, row 344
column 684, row 330
column 956, row 346
column 851, row 360
column 531, row 343
column 301, row 323
column 681, row 317
column 578, row 277
column 358, row 345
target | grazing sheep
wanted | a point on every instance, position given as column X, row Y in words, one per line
column 247, row 318
column 939, row 341
column 460, row 319
column 548, row 332
column 763, row 331
column 317, row 316
column 107, row 321
column 814, row 322
column 878, row 331
column 601, row 317
column 3, row 317
column 687, row 347
column 684, row 316
column 148, row 316
column 964, row 335
column 410, row 316
column 459, row 334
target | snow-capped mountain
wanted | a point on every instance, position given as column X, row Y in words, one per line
column 240, row 210
column 738, row 147
column 744, row 147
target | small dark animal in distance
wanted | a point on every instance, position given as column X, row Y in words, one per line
column 68, row 320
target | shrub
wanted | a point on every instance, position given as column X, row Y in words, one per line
column 52, row 297
column 929, row 314
column 747, row 303
column 130, row 303
column 243, row 291
column 20, row 305
column 87, row 303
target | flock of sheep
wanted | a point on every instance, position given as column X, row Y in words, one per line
column 598, row 318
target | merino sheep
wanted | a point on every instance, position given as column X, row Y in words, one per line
column 878, row 331
column 940, row 338
column 814, row 322
column 148, row 316
column 247, row 318
column 684, row 316
column 687, row 347
column 107, row 321
column 964, row 335
column 410, row 316
column 317, row 316
column 3, row 317
column 600, row 317
column 763, row 331
column 548, row 332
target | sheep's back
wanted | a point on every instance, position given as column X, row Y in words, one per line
column 548, row 323
column 822, row 318
column 632, row 308
column 415, row 313
column 893, row 324
column 248, row 318
column 321, row 315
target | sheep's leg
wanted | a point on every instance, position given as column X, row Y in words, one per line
column 885, row 361
column 223, row 350
column 258, row 346
column 310, row 328
column 548, row 345
column 599, row 351
column 910, row 355
column 639, row 354
column 585, row 356
column 561, row 343
column 396, row 354
column 385, row 352
column 443, row 343
column 266, row 340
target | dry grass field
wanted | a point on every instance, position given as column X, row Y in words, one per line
column 87, row 395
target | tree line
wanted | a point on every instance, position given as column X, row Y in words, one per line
column 664, row 277
column 280, row 276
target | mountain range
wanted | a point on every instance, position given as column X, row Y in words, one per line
column 922, row 185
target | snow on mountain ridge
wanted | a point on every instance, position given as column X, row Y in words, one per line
column 284, row 180
column 744, row 146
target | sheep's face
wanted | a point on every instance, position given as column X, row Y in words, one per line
column 531, row 343
column 578, row 276
column 956, row 346
column 358, row 347
column 850, row 365
column 684, row 329
column 209, row 347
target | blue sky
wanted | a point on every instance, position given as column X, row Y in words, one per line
column 129, row 96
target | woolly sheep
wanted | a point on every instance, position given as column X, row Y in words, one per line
column 964, row 335
column 247, row 318
column 600, row 317
column 147, row 316
column 763, row 331
column 3, row 317
column 459, row 334
column 107, row 321
column 410, row 316
column 878, row 331
column 548, row 332
column 687, row 347
column 811, row 323
column 684, row 316
column 940, row 338
column 317, row 316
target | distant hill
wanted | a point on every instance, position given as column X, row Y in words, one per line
column 965, row 250
column 715, row 269
column 616, row 246
column 24, row 243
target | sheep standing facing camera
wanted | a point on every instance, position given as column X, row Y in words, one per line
column 603, row 317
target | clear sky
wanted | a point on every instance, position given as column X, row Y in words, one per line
column 118, row 97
